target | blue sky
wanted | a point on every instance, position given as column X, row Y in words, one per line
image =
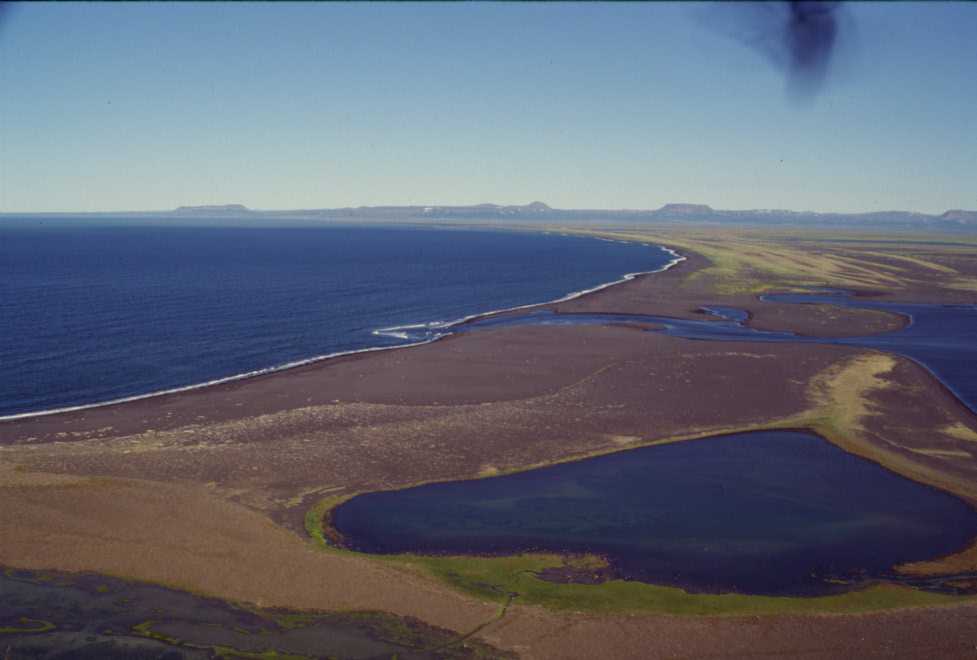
column 150, row 106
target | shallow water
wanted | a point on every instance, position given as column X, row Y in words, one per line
column 772, row 512
column 48, row 615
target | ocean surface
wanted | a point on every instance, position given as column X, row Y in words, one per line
column 92, row 313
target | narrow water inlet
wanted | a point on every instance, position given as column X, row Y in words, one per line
column 942, row 338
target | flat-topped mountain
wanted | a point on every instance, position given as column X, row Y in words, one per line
column 684, row 209
column 961, row 216
column 683, row 212
column 488, row 210
column 958, row 220
column 213, row 209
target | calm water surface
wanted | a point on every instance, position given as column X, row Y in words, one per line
column 767, row 512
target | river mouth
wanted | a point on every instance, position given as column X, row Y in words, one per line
column 942, row 338
column 768, row 512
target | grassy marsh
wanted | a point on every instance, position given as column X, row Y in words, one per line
column 744, row 261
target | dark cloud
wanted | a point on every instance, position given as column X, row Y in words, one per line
column 811, row 34
column 800, row 38
column 5, row 10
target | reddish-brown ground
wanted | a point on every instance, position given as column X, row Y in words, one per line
column 494, row 400
column 188, row 485
column 932, row 633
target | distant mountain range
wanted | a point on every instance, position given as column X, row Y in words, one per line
column 218, row 209
column 536, row 211
column 539, row 212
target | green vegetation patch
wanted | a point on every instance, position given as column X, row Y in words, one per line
column 145, row 629
column 234, row 654
column 28, row 626
column 499, row 578
column 315, row 526
column 294, row 620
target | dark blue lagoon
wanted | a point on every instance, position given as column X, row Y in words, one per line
column 772, row 512
column 95, row 313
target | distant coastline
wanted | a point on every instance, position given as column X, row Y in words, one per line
column 953, row 220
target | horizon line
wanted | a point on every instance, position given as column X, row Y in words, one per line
column 249, row 209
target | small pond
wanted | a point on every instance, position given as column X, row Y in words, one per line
column 773, row 512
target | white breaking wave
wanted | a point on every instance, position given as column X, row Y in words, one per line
column 400, row 331
column 397, row 332
column 216, row 381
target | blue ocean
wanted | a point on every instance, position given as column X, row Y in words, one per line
column 92, row 313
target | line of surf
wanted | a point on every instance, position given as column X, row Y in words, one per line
column 444, row 325
column 398, row 330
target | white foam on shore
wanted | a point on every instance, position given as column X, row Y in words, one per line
column 394, row 331
column 216, row 381
column 398, row 330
